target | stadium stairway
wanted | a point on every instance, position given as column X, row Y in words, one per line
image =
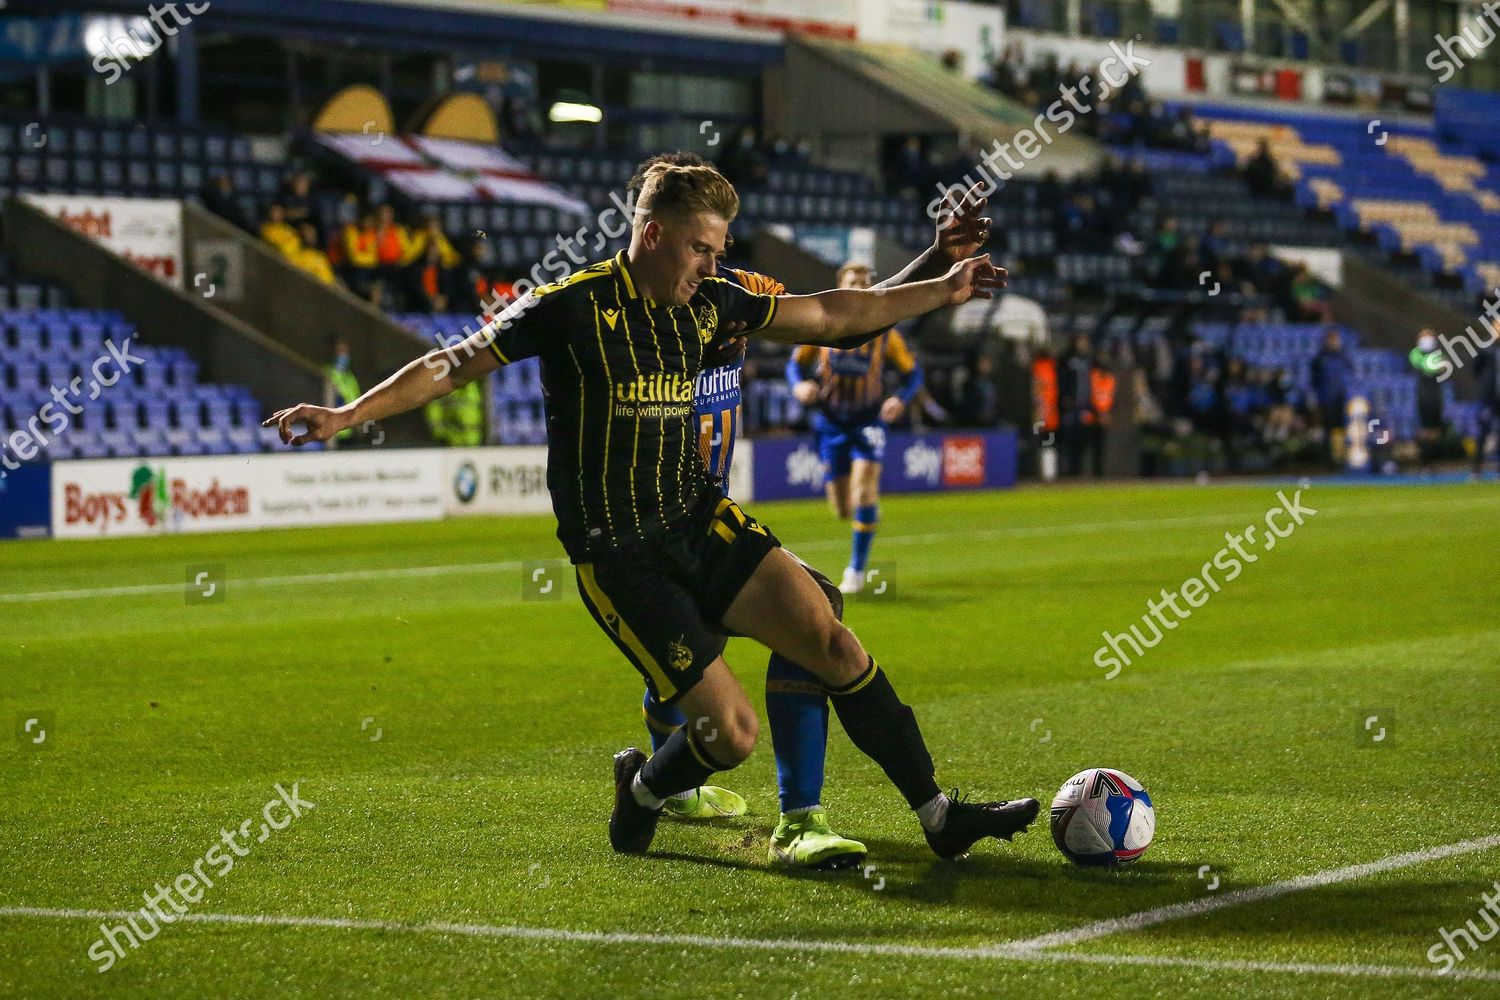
column 172, row 402
column 158, row 408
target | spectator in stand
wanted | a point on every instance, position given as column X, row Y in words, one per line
column 1214, row 246
column 1330, row 383
column 1098, row 416
column 457, row 419
column 1153, row 430
column 1075, row 392
column 744, row 163
column 311, row 259
column 1264, row 273
column 1309, row 295
column 361, row 256
column 981, row 398
column 1240, row 406
column 393, row 254
column 297, row 198
column 1486, row 368
column 437, row 274
column 345, row 385
column 909, row 173
column 1167, row 254
column 278, row 233
column 1427, row 360
column 1262, row 174
column 219, row 198
column 477, row 278
column 1201, row 404
column 1082, row 226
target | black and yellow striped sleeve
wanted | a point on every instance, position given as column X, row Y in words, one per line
column 524, row 328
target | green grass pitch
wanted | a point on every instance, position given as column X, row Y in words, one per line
column 483, row 801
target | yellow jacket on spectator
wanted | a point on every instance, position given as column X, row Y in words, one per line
column 281, row 236
column 361, row 247
column 314, row 262
column 448, row 257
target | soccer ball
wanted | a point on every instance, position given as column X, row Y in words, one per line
column 1102, row 817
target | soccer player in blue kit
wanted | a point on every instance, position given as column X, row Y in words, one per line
column 797, row 705
column 844, row 389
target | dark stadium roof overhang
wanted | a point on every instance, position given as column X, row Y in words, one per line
column 471, row 27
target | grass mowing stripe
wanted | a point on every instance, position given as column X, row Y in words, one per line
column 985, row 534
column 1177, row 911
column 1011, row 953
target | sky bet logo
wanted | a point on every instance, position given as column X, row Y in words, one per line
column 660, row 396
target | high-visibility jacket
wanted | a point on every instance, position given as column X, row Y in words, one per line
column 457, row 419
column 1044, row 393
column 393, row 246
column 1101, row 397
column 346, row 388
column 360, row 247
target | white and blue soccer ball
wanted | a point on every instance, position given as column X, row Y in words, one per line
column 1102, row 817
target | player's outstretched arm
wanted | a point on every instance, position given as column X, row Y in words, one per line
column 434, row 374
column 845, row 312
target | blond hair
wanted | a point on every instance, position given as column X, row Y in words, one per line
column 668, row 189
column 853, row 266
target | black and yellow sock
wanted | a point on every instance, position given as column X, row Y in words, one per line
column 886, row 731
column 682, row 763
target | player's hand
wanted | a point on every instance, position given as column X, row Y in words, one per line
column 727, row 352
column 975, row 278
column 322, row 423
column 892, row 409
column 962, row 229
column 806, row 392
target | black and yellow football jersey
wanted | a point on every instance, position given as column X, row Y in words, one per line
column 618, row 374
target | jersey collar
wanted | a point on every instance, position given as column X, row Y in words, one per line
column 623, row 271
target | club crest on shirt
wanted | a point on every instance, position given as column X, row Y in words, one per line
column 707, row 318
column 681, row 657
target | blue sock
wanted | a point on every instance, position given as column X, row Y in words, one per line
column 661, row 720
column 865, row 519
column 797, row 708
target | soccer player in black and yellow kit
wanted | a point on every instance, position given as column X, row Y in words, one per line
column 666, row 564
column 796, row 702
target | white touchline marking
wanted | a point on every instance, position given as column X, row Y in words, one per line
column 269, row 581
column 1004, row 953
column 1208, row 904
column 398, row 572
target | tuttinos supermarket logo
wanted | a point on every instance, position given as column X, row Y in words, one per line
column 152, row 501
